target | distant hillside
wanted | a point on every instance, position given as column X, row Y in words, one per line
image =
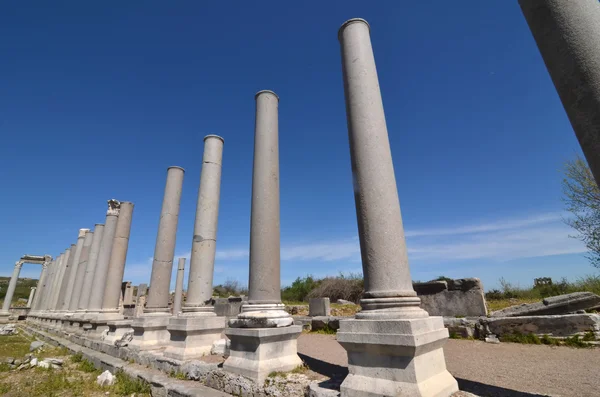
column 21, row 292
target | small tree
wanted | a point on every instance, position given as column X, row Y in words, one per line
column 582, row 199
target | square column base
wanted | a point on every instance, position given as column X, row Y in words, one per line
column 116, row 330
column 4, row 317
column 396, row 358
column 256, row 352
column 99, row 324
column 150, row 331
column 192, row 337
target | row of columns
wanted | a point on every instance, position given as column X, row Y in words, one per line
column 394, row 347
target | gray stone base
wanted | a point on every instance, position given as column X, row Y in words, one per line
column 256, row 352
column 116, row 330
column 4, row 317
column 99, row 324
column 396, row 358
column 150, row 331
column 192, row 337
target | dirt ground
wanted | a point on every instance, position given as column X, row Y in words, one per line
column 502, row 370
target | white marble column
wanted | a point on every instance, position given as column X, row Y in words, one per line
column 151, row 328
column 88, row 278
column 391, row 328
column 567, row 34
column 194, row 332
column 42, row 287
column 31, row 295
column 81, row 270
column 12, row 284
column 178, row 287
column 73, row 272
column 263, row 337
column 54, row 304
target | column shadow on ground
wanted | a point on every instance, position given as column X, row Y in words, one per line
column 337, row 373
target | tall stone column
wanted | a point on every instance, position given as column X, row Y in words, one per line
column 51, row 304
column 73, row 272
column 64, row 280
column 31, row 295
column 151, row 328
column 566, row 33
column 12, row 284
column 178, row 287
column 101, row 271
column 42, row 287
column 391, row 328
column 194, row 332
column 263, row 337
column 81, row 269
column 88, row 278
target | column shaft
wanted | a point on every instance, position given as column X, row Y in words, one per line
column 88, row 278
column 264, row 282
column 118, row 256
column 162, row 265
column 41, row 289
column 75, row 267
column 12, row 284
column 204, row 242
column 178, row 287
column 566, row 33
column 53, row 304
column 81, row 270
column 31, row 295
column 101, row 271
column 64, row 277
column 388, row 285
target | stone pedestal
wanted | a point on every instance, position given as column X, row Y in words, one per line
column 4, row 317
column 98, row 324
column 193, row 336
column 256, row 352
column 116, row 330
column 395, row 358
column 394, row 347
column 150, row 331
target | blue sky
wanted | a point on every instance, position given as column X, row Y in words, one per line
column 98, row 99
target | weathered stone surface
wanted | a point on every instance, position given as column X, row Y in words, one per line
column 319, row 307
column 220, row 347
column 561, row 304
column 35, row 345
column 345, row 302
column 465, row 328
column 322, row 390
column 106, row 379
column 33, row 362
column 323, row 322
column 460, row 297
column 555, row 325
column 228, row 307
column 197, row 370
column 8, row 329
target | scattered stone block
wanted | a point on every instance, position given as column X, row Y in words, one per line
column 35, row 345
column 557, row 325
column 561, row 304
column 8, row 329
column 44, row 364
column 33, row 362
column 54, row 361
column 229, row 307
column 462, row 327
column 460, row 297
column 323, row 322
column 10, row 360
column 197, row 370
column 220, row 347
column 319, row 307
column 492, row 339
column 106, row 379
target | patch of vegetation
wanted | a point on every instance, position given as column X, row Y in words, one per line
column 4, row 367
column 229, row 288
column 87, row 366
column 126, row 386
column 4, row 388
column 574, row 341
column 15, row 345
column 589, row 336
column 77, row 357
column 177, row 375
column 546, row 340
column 517, row 337
column 299, row 290
column 21, row 291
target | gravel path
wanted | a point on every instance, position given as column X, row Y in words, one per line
column 502, row 370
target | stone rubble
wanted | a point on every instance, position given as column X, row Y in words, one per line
column 106, row 379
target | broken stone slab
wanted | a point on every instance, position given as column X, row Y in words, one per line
column 8, row 329
column 345, row 302
column 462, row 327
column 555, row 325
column 561, row 304
column 35, row 345
column 459, row 297
column 34, row 362
column 54, row 361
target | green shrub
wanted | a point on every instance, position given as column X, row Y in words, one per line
column 299, row 289
column 77, row 357
column 126, row 386
column 87, row 366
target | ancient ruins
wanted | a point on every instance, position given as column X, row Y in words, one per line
column 394, row 345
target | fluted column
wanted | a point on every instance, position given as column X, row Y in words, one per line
column 162, row 265
column 178, row 287
column 116, row 264
column 12, row 284
column 101, row 271
column 58, row 297
column 73, row 271
column 566, row 33
column 81, row 270
column 391, row 328
column 204, row 241
column 31, row 295
column 88, row 278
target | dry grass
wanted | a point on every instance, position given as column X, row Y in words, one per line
column 499, row 304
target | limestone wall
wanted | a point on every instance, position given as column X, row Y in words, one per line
column 460, row 297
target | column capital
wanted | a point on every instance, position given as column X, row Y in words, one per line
column 113, row 207
column 18, row 264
